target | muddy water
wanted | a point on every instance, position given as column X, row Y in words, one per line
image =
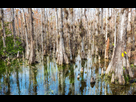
column 46, row 78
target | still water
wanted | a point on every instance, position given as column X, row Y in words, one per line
column 46, row 78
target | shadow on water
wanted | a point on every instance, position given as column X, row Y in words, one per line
column 46, row 78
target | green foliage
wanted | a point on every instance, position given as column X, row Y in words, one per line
column 132, row 65
column 127, row 78
column 2, row 67
column 123, row 68
column 11, row 48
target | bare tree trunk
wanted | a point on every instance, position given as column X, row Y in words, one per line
column 106, row 51
column 22, row 29
column 97, row 28
column 10, row 19
column 3, row 27
column 133, row 33
column 96, row 21
column 13, row 24
column 90, row 29
column 26, row 34
column 129, row 31
column 44, row 35
column 37, row 31
column 87, row 29
column 93, row 32
column 43, row 26
column 93, row 24
column 61, row 57
column 19, row 33
column 101, row 20
column 70, row 33
column 82, row 34
column 119, row 65
column 57, row 32
column 32, row 48
column 135, row 37
column 93, row 46
column 115, row 28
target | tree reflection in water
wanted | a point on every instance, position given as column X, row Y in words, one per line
column 47, row 78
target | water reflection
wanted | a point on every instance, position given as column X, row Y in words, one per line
column 46, row 78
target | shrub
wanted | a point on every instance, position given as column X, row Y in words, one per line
column 11, row 48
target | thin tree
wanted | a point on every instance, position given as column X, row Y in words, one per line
column 93, row 32
column 44, row 34
column 26, row 34
column 115, row 12
column 135, row 37
column 97, row 27
column 13, row 24
column 19, row 29
column 106, row 39
column 22, row 28
column 42, row 27
column 32, row 46
column 57, row 32
column 72, row 31
column 101, row 20
column 3, row 27
column 129, row 31
column 82, row 33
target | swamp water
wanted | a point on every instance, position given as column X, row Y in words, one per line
column 46, row 78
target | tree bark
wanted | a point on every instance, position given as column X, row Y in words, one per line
column 129, row 31
column 97, row 28
column 57, row 32
column 22, row 28
column 13, row 24
column 119, row 65
column 106, row 51
column 26, row 34
column 83, row 33
column 135, row 37
column 71, row 33
column 42, row 27
column 96, row 21
column 32, row 49
column 90, row 29
column 19, row 33
column 3, row 27
column 61, row 57
column 101, row 20
column 115, row 28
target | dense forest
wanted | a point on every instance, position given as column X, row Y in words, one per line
column 64, row 33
